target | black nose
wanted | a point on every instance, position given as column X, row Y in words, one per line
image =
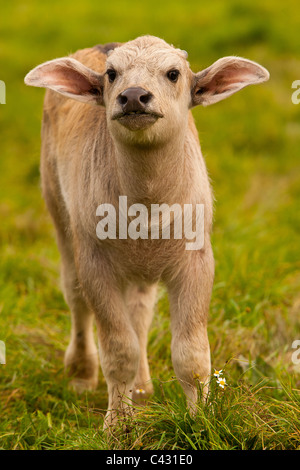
column 134, row 99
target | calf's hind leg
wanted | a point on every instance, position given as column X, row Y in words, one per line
column 140, row 302
column 81, row 358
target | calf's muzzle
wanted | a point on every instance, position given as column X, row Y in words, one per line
column 134, row 100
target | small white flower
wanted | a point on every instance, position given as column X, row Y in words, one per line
column 140, row 391
column 222, row 382
column 217, row 373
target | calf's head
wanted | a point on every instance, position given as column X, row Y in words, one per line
column 148, row 86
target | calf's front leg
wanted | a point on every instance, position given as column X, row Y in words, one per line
column 190, row 293
column 118, row 342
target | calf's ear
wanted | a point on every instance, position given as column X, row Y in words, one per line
column 70, row 78
column 225, row 77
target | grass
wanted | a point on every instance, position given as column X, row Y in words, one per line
column 251, row 145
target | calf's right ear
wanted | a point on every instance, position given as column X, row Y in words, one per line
column 70, row 78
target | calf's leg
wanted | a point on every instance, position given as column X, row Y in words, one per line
column 118, row 342
column 190, row 293
column 140, row 301
column 81, row 358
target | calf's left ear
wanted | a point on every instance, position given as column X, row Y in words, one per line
column 70, row 78
column 225, row 77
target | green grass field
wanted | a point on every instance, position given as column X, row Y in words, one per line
column 251, row 145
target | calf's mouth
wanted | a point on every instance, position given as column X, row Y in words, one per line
column 137, row 120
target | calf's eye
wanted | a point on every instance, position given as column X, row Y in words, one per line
column 173, row 75
column 111, row 73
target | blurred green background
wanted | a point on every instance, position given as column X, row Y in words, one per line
column 251, row 146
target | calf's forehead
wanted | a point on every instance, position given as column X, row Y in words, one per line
column 152, row 54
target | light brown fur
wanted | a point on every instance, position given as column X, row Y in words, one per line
column 89, row 159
